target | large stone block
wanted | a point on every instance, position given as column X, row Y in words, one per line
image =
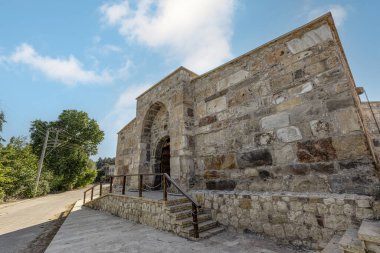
column 275, row 121
column 348, row 120
column 301, row 89
column 221, row 185
column 214, row 174
column 350, row 146
column 254, row 158
column 218, row 162
column 360, row 179
column 230, row 80
column 264, row 139
column 285, row 155
column 335, row 104
column 289, row 134
column 207, row 120
column 289, row 104
column 320, row 128
column 310, row 39
column 216, row 105
column 316, row 151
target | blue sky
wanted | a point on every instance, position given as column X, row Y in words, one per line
column 97, row 56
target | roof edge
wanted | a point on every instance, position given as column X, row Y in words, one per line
column 324, row 17
column 124, row 127
column 167, row 77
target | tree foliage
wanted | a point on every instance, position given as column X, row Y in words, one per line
column 78, row 137
column 18, row 171
column 102, row 161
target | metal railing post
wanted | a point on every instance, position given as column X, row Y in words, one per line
column 124, row 181
column 195, row 220
column 84, row 198
column 92, row 193
column 111, row 184
column 140, row 185
column 100, row 189
column 164, row 188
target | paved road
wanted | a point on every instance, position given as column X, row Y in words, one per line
column 21, row 222
column 86, row 230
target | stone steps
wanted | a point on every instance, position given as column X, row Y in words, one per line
column 174, row 202
column 202, row 226
column 365, row 239
column 182, row 214
column 180, row 207
column 189, row 220
column 211, row 232
column 369, row 234
column 333, row 245
column 350, row 242
column 186, row 213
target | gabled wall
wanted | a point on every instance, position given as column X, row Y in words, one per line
column 283, row 117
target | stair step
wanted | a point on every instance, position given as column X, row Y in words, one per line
column 369, row 233
column 350, row 241
column 333, row 245
column 202, row 226
column 174, row 202
column 211, row 232
column 186, row 213
column 180, row 207
column 189, row 220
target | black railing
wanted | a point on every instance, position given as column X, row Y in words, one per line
column 92, row 191
column 165, row 180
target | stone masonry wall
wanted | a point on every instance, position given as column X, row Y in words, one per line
column 126, row 149
column 149, row 212
column 283, row 118
column 371, row 124
column 172, row 97
column 303, row 219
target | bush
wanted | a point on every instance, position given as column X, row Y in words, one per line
column 18, row 171
column 86, row 177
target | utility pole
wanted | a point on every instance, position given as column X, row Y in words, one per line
column 41, row 161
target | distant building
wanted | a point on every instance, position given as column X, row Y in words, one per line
column 108, row 169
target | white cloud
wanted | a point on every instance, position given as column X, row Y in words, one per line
column 195, row 32
column 113, row 13
column 125, row 107
column 66, row 70
column 123, row 111
column 338, row 12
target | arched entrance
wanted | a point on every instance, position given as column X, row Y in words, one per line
column 162, row 161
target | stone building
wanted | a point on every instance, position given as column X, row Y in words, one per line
column 282, row 117
column 276, row 141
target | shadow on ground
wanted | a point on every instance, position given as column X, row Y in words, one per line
column 19, row 241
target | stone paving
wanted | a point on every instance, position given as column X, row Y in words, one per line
column 87, row 230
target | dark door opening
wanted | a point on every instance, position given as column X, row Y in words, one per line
column 163, row 166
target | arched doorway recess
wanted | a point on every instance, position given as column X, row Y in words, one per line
column 161, row 161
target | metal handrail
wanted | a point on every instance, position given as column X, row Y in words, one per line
column 92, row 191
column 182, row 191
column 165, row 176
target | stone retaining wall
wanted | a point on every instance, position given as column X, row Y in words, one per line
column 140, row 210
column 307, row 219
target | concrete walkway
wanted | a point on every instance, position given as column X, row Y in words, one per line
column 87, row 230
column 23, row 221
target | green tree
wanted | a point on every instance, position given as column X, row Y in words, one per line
column 18, row 170
column 102, row 161
column 78, row 137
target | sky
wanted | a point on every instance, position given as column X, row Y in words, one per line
column 98, row 56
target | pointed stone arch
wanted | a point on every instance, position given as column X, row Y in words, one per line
column 154, row 127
